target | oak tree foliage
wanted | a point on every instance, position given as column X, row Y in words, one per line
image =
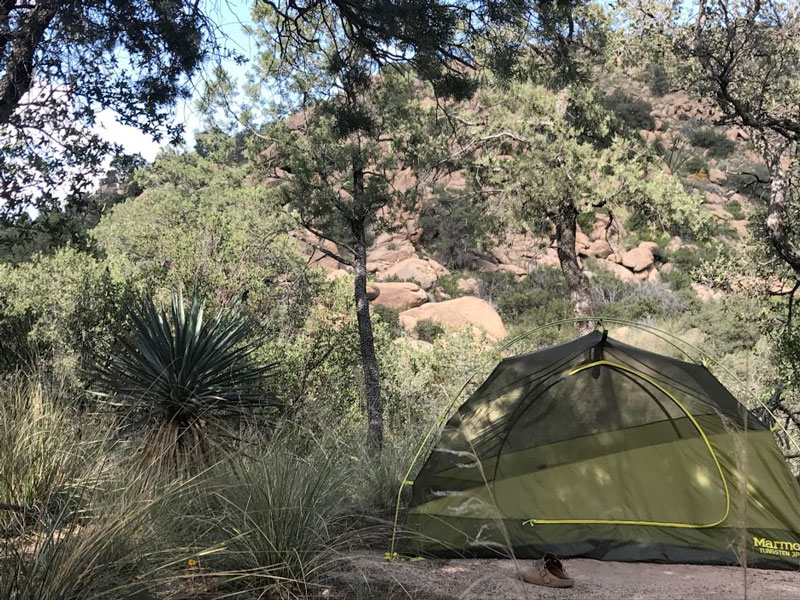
column 63, row 63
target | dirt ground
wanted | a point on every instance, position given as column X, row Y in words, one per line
column 373, row 577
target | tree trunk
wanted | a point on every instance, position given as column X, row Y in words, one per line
column 369, row 362
column 580, row 292
column 27, row 35
column 775, row 152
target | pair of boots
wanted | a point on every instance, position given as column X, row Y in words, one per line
column 547, row 571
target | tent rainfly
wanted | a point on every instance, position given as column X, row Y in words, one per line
column 601, row 450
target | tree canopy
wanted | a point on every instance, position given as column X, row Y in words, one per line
column 62, row 64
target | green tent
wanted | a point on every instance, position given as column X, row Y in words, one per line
column 601, row 450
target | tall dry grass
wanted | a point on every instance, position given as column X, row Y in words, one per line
column 277, row 517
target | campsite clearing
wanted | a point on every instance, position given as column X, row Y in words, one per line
column 465, row 579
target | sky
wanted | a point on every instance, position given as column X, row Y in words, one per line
column 230, row 17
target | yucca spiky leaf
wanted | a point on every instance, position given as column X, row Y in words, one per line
column 183, row 372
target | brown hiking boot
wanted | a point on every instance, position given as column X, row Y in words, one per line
column 547, row 571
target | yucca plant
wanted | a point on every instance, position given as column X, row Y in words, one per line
column 183, row 378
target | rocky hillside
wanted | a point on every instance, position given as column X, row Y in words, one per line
column 716, row 163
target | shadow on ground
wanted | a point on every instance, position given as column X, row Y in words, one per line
column 600, row 580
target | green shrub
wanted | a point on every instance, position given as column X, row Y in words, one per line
column 449, row 283
column 636, row 300
column 63, row 309
column 428, row 330
column 419, row 381
column 735, row 208
column 494, row 285
column 676, row 154
column 454, row 224
column 513, row 298
column 657, row 79
column 677, row 279
column 727, row 325
column 102, row 559
column 717, row 145
column 525, row 304
column 204, row 225
column 321, row 381
column 697, row 166
column 634, row 113
column 586, row 220
column 688, row 258
column 388, row 316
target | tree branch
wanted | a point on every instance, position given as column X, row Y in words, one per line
column 327, row 252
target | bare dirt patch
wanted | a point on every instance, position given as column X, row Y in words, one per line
column 601, row 580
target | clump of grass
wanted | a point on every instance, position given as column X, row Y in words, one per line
column 735, row 208
column 713, row 141
column 41, row 455
column 390, row 316
column 73, row 525
column 657, row 79
column 113, row 547
column 633, row 112
column 374, row 491
column 428, row 330
column 282, row 517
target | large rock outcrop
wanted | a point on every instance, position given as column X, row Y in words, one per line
column 423, row 271
column 400, row 295
column 310, row 247
column 467, row 311
column 638, row 259
column 615, row 269
column 387, row 250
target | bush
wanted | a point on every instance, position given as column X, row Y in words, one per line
column 696, row 166
column 586, row 220
column 513, row 298
column 62, row 309
column 637, row 300
column 539, row 299
column 717, row 145
column 454, row 224
column 727, row 325
column 634, row 113
column 428, row 330
column 374, row 490
column 677, row 279
column 420, row 380
column 281, row 516
column 321, row 382
column 657, row 79
column 205, row 225
column 735, row 208
column 388, row 316
column 689, row 258
column 448, row 284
